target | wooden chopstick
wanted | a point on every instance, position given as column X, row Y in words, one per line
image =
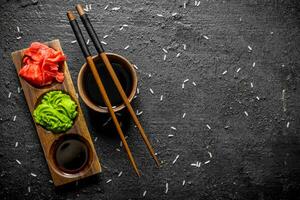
column 101, row 87
column 100, row 50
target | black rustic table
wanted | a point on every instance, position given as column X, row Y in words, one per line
column 228, row 75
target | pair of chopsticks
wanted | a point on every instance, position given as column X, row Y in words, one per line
column 88, row 26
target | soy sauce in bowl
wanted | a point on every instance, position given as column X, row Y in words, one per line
column 71, row 155
column 89, row 91
column 92, row 89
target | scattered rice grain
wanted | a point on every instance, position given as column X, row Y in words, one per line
column 199, row 164
column 144, row 193
column 172, row 127
column 116, row 8
column 208, row 126
column 210, row 154
column 138, row 113
column 135, row 67
column 18, row 162
column 126, row 47
column 246, row 113
column 174, row 161
column 206, row 162
column 109, row 180
column 151, row 91
column 249, row 48
column 225, row 72
column 120, row 174
column 167, row 188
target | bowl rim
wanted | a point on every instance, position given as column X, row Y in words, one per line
column 102, row 109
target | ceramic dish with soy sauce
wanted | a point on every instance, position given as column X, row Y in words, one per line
column 88, row 89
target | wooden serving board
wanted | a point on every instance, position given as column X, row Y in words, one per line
column 49, row 139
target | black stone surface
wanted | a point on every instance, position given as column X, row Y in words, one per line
column 253, row 157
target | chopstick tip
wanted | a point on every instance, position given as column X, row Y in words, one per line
column 157, row 162
column 71, row 16
column 79, row 9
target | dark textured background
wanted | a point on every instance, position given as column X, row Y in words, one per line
column 254, row 157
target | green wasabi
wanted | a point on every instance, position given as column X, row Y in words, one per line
column 56, row 112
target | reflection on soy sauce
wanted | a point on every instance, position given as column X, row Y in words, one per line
column 71, row 155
